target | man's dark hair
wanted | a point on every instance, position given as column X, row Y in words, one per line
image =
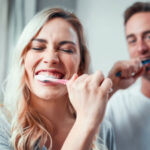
column 136, row 8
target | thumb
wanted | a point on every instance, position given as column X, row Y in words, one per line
column 73, row 78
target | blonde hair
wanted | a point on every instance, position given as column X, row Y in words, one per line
column 29, row 127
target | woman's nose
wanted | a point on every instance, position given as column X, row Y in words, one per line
column 51, row 57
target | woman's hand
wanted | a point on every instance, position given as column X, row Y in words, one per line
column 89, row 95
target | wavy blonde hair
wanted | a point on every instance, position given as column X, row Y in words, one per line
column 29, row 127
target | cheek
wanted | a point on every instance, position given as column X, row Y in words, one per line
column 132, row 52
column 30, row 61
column 73, row 63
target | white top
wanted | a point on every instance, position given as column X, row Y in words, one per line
column 129, row 112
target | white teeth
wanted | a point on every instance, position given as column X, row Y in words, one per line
column 54, row 77
column 49, row 76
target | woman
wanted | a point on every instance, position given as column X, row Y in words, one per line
column 46, row 114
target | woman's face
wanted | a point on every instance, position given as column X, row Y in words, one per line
column 53, row 52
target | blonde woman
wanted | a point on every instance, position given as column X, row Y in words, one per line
column 47, row 115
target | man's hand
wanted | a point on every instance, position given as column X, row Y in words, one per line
column 124, row 73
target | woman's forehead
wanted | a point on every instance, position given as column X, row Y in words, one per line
column 58, row 27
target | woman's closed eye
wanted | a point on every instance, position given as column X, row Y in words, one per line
column 67, row 50
column 38, row 48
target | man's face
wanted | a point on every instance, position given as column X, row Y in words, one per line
column 137, row 31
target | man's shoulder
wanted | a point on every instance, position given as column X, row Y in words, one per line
column 122, row 103
column 122, row 97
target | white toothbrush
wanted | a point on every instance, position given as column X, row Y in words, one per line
column 51, row 79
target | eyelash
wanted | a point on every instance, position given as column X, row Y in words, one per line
column 64, row 50
column 67, row 50
column 148, row 36
column 131, row 41
column 38, row 48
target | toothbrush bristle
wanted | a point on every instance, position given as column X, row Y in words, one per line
column 50, row 79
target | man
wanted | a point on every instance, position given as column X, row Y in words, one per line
column 129, row 110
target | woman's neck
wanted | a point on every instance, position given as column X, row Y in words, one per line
column 55, row 110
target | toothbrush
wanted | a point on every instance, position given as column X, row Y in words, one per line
column 51, row 79
column 144, row 62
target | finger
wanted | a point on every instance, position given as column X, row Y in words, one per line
column 97, row 78
column 73, row 78
column 136, row 67
column 131, row 68
column 106, row 87
column 81, row 78
column 76, row 81
column 128, row 68
column 139, row 74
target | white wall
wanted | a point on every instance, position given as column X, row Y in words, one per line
column 103, row 23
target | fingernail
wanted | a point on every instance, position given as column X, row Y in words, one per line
column 133, row 73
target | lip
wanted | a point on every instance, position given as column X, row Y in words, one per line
column 52, row 71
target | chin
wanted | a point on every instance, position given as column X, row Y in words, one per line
column 47, row 94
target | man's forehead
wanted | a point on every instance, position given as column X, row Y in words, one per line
column 138, row 23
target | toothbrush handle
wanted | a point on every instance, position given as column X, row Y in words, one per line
column 118, row 74
column 144, row 62
column 62, row 81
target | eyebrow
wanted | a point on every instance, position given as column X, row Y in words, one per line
column 146, row 32
column 60, row 43
column 66, row 42
column 40, row 40
column 132, row 35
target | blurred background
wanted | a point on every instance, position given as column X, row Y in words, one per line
column 102, row 21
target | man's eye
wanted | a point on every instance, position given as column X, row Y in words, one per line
column 67, row 50
column 131, row 41
column 148, row 36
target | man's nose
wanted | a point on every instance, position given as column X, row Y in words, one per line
column 51, row 57
column 142, row 47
